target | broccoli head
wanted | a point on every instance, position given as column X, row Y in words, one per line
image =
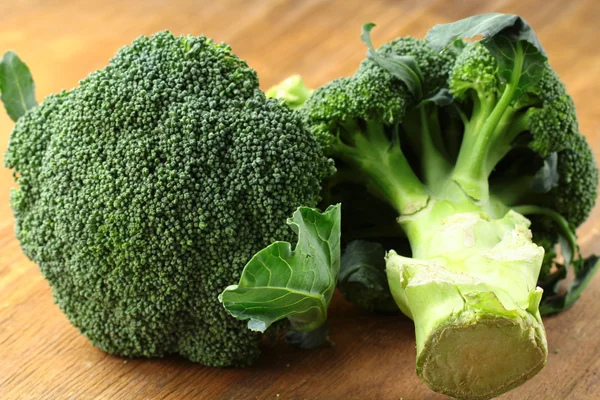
column 145, row 190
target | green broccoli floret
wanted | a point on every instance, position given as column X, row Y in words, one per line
column 462, row 140
column 292, row 90
column 543, row 120
column 145, row 190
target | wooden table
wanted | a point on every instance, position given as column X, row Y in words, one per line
column 43, row 356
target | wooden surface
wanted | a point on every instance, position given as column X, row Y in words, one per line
column 43, row 357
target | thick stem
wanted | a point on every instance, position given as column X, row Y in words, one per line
column 471, row 290
column 385, row 166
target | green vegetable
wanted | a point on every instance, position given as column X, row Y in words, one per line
column 145, row 190
column 168, row 175
column 363, row 280
column 278, row 282
column 16, row 86
column 455, row 142
column 292, row 91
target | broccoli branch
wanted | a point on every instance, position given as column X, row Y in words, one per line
column 487, row 123
column 371, row 152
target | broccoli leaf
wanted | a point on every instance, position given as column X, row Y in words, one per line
column 363, row 280
column 441, row 98
column 16, row 86
column 510, row 40
column 519, row 62
column 404, row 68
column 546, row 177
column 280, row 283
column 555, row 301
column 487, row 25
column 309, row 339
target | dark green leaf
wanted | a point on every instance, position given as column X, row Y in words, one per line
column 280, row 283
column 309, row 339
column 404, row 68
column 546, row 177
column 509, row 38
column 555, row 301
column 519, row 62
column 363, row 280
column 441, row 98
column 552, row 281
column 487, row 25
column 16, row 86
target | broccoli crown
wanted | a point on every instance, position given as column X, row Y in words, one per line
column 372, row 93
column 146, row 189
column 542, row 120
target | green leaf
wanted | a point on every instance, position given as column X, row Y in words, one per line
column 510, row 40
column 556, row 301
column 363, row 280
column 519, row 62
column 404, row 68
column 487, row 25
column 546, row 177
column 280, row 283
column 441, row 98
column 16, row 86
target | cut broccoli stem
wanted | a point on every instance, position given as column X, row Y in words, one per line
column 471, row 285
column 372, row 153
column 472, row 167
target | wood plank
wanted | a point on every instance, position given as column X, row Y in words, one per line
column 43, row 356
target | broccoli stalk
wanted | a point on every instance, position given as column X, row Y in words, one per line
column 457, row 138
column 471, row 281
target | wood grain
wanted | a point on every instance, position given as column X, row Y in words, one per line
column 43, row 357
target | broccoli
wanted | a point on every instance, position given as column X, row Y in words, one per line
column 462, row 141
column 145, row 190
column 292, row 90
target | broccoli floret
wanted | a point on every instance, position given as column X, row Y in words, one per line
column 474, row 70
column 575, row 194
column 145, row 190
column 292, row 90
column 462, row 140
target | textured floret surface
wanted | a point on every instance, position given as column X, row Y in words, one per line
column 145, row 190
